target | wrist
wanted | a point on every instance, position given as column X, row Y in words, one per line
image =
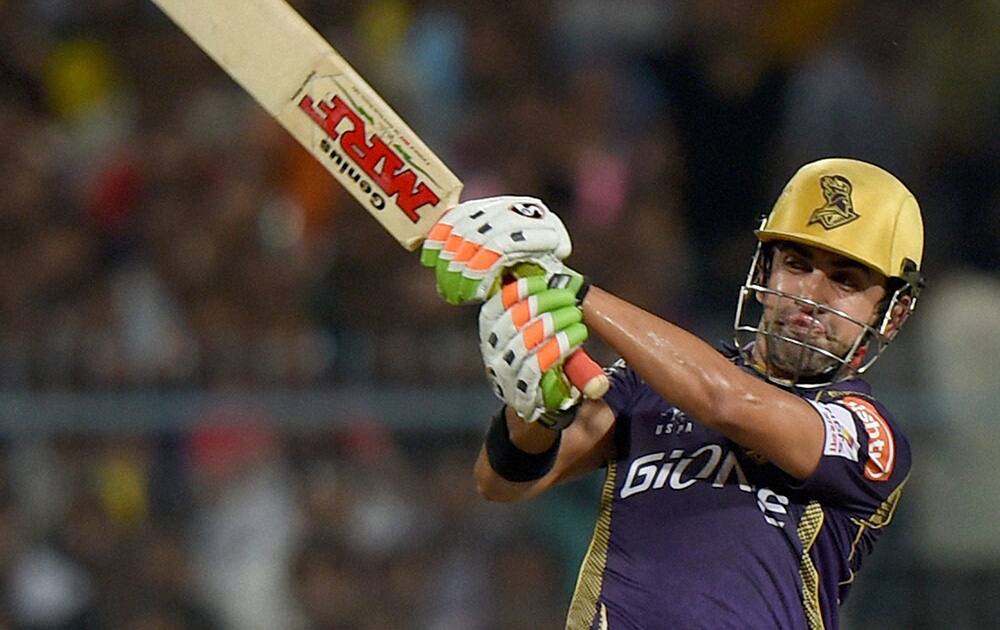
column 530, row 437
column 558, row 419
column 509, row 459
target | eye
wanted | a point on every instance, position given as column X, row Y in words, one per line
column 847, row 281
column 796, row 263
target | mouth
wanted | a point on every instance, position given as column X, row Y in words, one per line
column 803, row 326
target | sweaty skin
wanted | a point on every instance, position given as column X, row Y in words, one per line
column 825, row 278
column 692, row 375
column 683, row 369
column 696, row 378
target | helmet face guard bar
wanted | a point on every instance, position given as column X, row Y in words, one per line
column 859, row 357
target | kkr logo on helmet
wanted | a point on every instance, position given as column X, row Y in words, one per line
column 839, row 209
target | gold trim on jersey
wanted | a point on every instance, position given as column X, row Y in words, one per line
column 850, row 556
column 881, row 517
column 588, row 583
column 808, row 531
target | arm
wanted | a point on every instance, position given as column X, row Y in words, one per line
column 697, row 379
column 585, row 445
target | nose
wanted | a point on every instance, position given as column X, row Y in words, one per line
column 812, row 286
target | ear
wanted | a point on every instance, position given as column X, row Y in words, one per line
column 900, row 312
column 762, row 272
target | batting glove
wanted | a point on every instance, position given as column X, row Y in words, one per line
column 526, row 331
column 476, row 241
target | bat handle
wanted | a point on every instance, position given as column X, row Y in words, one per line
column 586, row 374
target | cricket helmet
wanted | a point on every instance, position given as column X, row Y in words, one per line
column 856, row 210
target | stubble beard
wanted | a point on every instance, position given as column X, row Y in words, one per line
column 794, row 361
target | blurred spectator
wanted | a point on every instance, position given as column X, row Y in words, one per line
column 725, row 93
column 160, row 235
column 246, row 521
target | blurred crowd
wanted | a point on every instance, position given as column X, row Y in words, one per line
column 159, row 232
column 237, row 527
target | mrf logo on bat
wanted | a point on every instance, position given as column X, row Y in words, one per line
column 346, row 132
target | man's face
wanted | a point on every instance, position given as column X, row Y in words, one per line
column 825, row 278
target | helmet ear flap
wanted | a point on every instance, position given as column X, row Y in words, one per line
column 913, row 278
column 762, row 268
column 767, row 259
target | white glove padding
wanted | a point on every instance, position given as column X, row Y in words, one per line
column 525, row 331
column 476, row 240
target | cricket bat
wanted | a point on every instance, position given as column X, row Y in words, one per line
column 294, row 74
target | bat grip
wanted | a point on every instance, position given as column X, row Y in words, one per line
column 586, row 374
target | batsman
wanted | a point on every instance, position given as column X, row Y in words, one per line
column 744, row 486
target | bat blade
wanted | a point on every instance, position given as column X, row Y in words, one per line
column 280, row 60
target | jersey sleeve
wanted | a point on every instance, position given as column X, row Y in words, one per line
column 621, row 395
column 865, row 457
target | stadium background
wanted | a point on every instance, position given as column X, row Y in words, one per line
column 229, row 400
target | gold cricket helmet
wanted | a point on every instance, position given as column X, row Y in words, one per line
column 853, row 208
column 859, row 211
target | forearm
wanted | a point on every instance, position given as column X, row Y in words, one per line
column 678, row 365
column 532, row 439
column 697, row 379
column 493, row 487
column 582, row 448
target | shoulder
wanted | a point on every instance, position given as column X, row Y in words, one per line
column 879, row 436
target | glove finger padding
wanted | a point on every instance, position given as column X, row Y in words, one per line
column 511, row 293
column 526, row 331
column 433, row 245
column 475, row 241
column 532, row 320
column 481, row 271
column 518, row 377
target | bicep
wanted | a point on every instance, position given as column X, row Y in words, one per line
column 864, row 462
column 780, row 426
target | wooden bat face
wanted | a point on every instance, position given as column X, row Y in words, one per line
column 280, row 60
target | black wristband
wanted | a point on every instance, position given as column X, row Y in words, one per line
column 510, row 462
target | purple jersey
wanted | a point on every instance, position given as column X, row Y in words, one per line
column 694, row 531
